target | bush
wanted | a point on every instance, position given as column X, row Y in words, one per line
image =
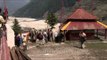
column 16, row 27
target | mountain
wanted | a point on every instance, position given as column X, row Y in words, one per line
column 13, row 5
column 37, row 8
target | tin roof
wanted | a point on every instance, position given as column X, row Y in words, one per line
column 82, row 14
column 83, row 25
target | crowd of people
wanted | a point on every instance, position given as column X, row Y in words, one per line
column 40, row 37
column 46, row 35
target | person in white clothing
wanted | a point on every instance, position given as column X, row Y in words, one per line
column 1, row 18
column 45, row 35
column 10, row 36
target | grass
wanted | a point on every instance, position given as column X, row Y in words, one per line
column 98, row 50
column 90, row 44
column 96, row 45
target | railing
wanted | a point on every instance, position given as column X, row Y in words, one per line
column 4, row 49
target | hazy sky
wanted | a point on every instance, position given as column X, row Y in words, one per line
column 13, row 5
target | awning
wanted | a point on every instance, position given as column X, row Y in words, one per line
column 83, row 25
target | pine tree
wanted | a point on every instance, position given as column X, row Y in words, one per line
column 16, row 27
column 51, row 20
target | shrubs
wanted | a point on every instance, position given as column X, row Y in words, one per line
column 16, row 27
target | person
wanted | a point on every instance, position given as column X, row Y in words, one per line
column 33, row 33
column 25, row 42
column 40, row 37
column 55, row 35
column 45, row 36
column 59, row 37
column 50, row 35
column 4, row 16
column 17, row 40
column 6, row 30
column 21, row 39
column 2, row 22
column 82, row 35
column 10, row 36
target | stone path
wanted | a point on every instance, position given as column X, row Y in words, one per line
column 53, row 51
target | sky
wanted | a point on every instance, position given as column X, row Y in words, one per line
column 13, row 5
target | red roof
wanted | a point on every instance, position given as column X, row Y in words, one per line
column 82, row 26
column 82, row 14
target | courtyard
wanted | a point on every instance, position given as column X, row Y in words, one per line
column 69, row 50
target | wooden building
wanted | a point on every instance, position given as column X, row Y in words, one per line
column 82, row 20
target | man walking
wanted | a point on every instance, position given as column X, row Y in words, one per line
column 82, row 38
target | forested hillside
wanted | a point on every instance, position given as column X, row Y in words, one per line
column 37, row 8
column 13, row 5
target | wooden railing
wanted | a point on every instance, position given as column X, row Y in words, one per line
column 4, row 49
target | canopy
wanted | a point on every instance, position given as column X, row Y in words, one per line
column 83, row 25
column 82, row 14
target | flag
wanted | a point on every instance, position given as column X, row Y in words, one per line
column 6, row 13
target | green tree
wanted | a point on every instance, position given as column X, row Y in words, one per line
column 51, row 20
column 16, row 27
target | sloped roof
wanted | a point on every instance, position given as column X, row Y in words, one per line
column 82, row 15
column 83, row 25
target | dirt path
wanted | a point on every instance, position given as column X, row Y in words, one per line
column 52, row 51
